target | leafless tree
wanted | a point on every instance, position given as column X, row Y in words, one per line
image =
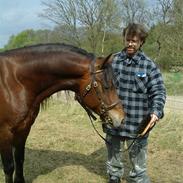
column 63, row 13
column 162, row 11
column 93, row 17
column 135, row 11
column 162, row 17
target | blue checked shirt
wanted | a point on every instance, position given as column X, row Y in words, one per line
column 141, row 89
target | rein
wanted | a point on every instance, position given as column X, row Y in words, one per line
column 93, row 84
column 104, row 109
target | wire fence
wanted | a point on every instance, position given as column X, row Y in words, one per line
column 174, row 102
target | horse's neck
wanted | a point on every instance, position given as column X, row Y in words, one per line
column 56, row 72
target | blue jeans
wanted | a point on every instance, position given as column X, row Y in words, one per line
column 137, row 156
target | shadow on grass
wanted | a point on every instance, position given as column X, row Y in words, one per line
column 42, row 162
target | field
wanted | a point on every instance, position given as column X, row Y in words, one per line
column 64, row 148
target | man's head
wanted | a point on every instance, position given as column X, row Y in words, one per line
column 134, row 37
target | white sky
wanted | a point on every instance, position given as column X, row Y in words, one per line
column 19, row 15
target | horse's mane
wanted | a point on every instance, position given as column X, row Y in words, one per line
column 46, row 48
column 49, row 47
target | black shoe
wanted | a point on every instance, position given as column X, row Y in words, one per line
column 114, row 180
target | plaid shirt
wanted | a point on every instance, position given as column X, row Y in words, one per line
column 141, row 89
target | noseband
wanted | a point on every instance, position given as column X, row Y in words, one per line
column 104, row 108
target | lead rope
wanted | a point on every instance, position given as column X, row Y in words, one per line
column 105, row 140
column 90, row 114
column 91, row 117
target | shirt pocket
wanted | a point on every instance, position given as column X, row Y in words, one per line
column 140, row 83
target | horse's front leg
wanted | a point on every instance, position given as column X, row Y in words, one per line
column 20, row 138
column 19, row 162
column 8, row 163
column 19, row 153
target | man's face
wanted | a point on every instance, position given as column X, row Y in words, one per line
column 132, row 44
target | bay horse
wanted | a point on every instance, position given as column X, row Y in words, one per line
column 31, row 74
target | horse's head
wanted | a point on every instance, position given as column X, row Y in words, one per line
column 98, row 92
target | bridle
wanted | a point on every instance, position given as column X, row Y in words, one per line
column 93, row 85
column 104, row 108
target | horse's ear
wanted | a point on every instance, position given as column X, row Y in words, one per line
column 107, row 60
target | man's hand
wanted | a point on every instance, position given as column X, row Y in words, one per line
column 153, row 121
column 151, row 124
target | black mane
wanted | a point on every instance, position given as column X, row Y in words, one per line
column 49, row 47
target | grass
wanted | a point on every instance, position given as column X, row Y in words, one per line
column 63, row 148
column 166, row 149
column 174, row 83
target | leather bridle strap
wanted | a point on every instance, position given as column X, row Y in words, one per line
column 108, row 108
column 89, row 86
column 91, row 116
column 105, row 140
column 88, row 110
column 93, row 83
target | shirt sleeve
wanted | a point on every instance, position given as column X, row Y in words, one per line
column 157, row 92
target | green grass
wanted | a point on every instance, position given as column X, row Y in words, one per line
column 63, row 148
column 174, row 83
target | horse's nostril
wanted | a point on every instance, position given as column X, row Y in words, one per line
column 122, row 121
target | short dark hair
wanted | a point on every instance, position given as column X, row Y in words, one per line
column 134, row 29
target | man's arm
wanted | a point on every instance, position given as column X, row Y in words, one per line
column 157, row 94
column 157, row 97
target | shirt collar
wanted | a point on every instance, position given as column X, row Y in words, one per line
column 129, row 60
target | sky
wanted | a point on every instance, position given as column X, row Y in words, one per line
column 19, row 15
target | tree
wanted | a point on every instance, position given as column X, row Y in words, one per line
column 175, row 40
column 22, row 39
column 28, row 37
column 162, row 11
column 135, row 11
column 167, row 33
column 63, row 14
column 93, row 17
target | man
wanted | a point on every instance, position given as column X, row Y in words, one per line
column 141, row 89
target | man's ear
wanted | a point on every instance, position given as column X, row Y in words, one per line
column 141, row 43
